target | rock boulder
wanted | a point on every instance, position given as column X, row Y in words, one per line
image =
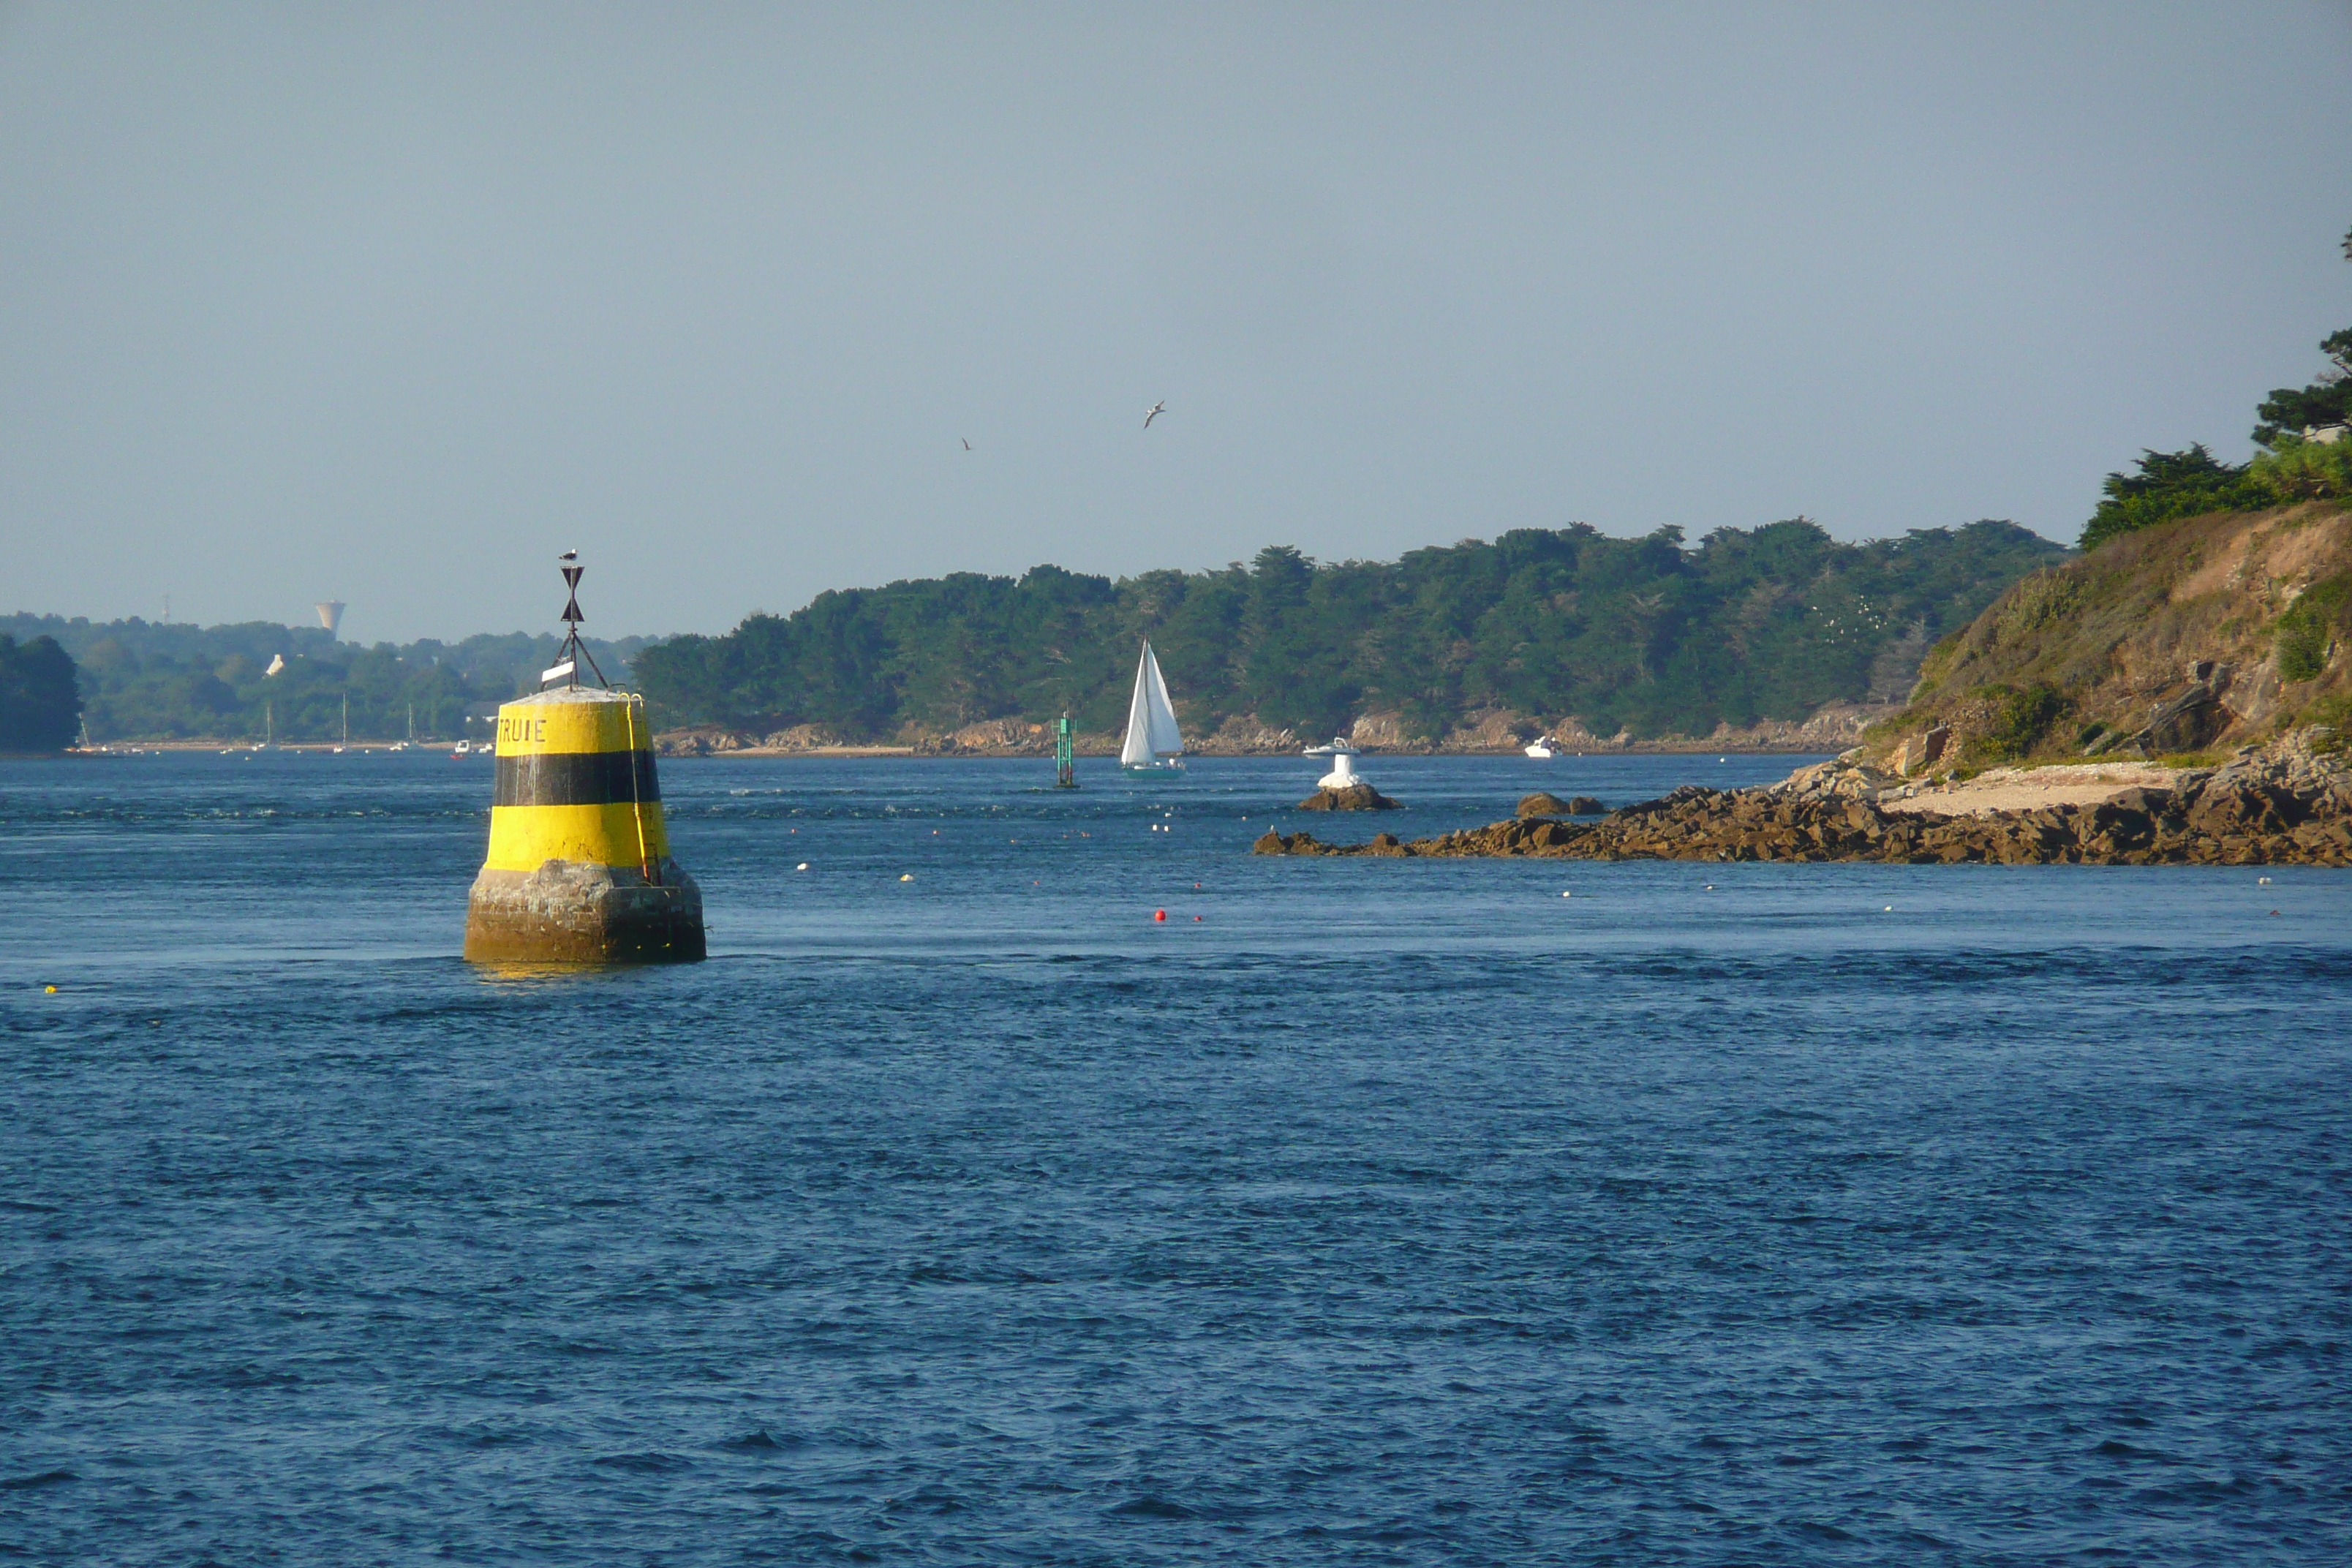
column 1357, row 797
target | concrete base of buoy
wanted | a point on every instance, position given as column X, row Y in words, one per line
column 574, row 911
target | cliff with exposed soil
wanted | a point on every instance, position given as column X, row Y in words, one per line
column 2210, row 632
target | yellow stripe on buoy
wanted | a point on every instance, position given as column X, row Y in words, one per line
column 522, row 837
column 565, row 723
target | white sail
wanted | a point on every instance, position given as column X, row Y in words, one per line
column 1150, row 718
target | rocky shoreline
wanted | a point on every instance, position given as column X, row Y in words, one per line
column 2289, row 804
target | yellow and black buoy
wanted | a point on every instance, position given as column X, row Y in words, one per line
column 579, row 870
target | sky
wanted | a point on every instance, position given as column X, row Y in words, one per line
column 391, row 303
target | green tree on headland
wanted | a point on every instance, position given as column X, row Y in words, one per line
column 2169, row 485
column 2193, row 482
column 2289, row 411
column 40, row 700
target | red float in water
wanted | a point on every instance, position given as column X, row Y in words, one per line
column 1159, row 914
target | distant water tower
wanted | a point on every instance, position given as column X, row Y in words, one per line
column 331, row 613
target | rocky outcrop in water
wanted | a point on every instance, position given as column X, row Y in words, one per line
column 2287, row 804
column 1357, row 797
column 1543, row 803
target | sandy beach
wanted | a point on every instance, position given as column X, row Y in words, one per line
column 2031, row 789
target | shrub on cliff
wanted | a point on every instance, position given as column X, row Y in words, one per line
column 2296, row 469
column 2017, row 720
column 2305, row 632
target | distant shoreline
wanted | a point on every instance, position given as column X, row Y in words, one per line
column 827, row 754
column 1659, row 750
column 127, row 748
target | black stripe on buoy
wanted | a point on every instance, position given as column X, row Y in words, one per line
column 576, row 778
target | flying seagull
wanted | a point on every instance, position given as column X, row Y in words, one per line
column 966, row 445
column 1154, row 412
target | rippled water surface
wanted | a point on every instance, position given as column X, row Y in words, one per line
column 1361, row 1211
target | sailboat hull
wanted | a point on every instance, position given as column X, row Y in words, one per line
column 1149, row 770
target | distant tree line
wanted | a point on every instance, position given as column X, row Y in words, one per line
column 167, row 681
column 1647, row 635
column 2290, row 467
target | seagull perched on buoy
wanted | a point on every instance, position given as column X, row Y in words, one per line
column 569, row 555
column 1154, row 412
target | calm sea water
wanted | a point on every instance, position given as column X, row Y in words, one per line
column 1363, row 1212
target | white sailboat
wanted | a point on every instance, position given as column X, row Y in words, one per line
column 1153, row 744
